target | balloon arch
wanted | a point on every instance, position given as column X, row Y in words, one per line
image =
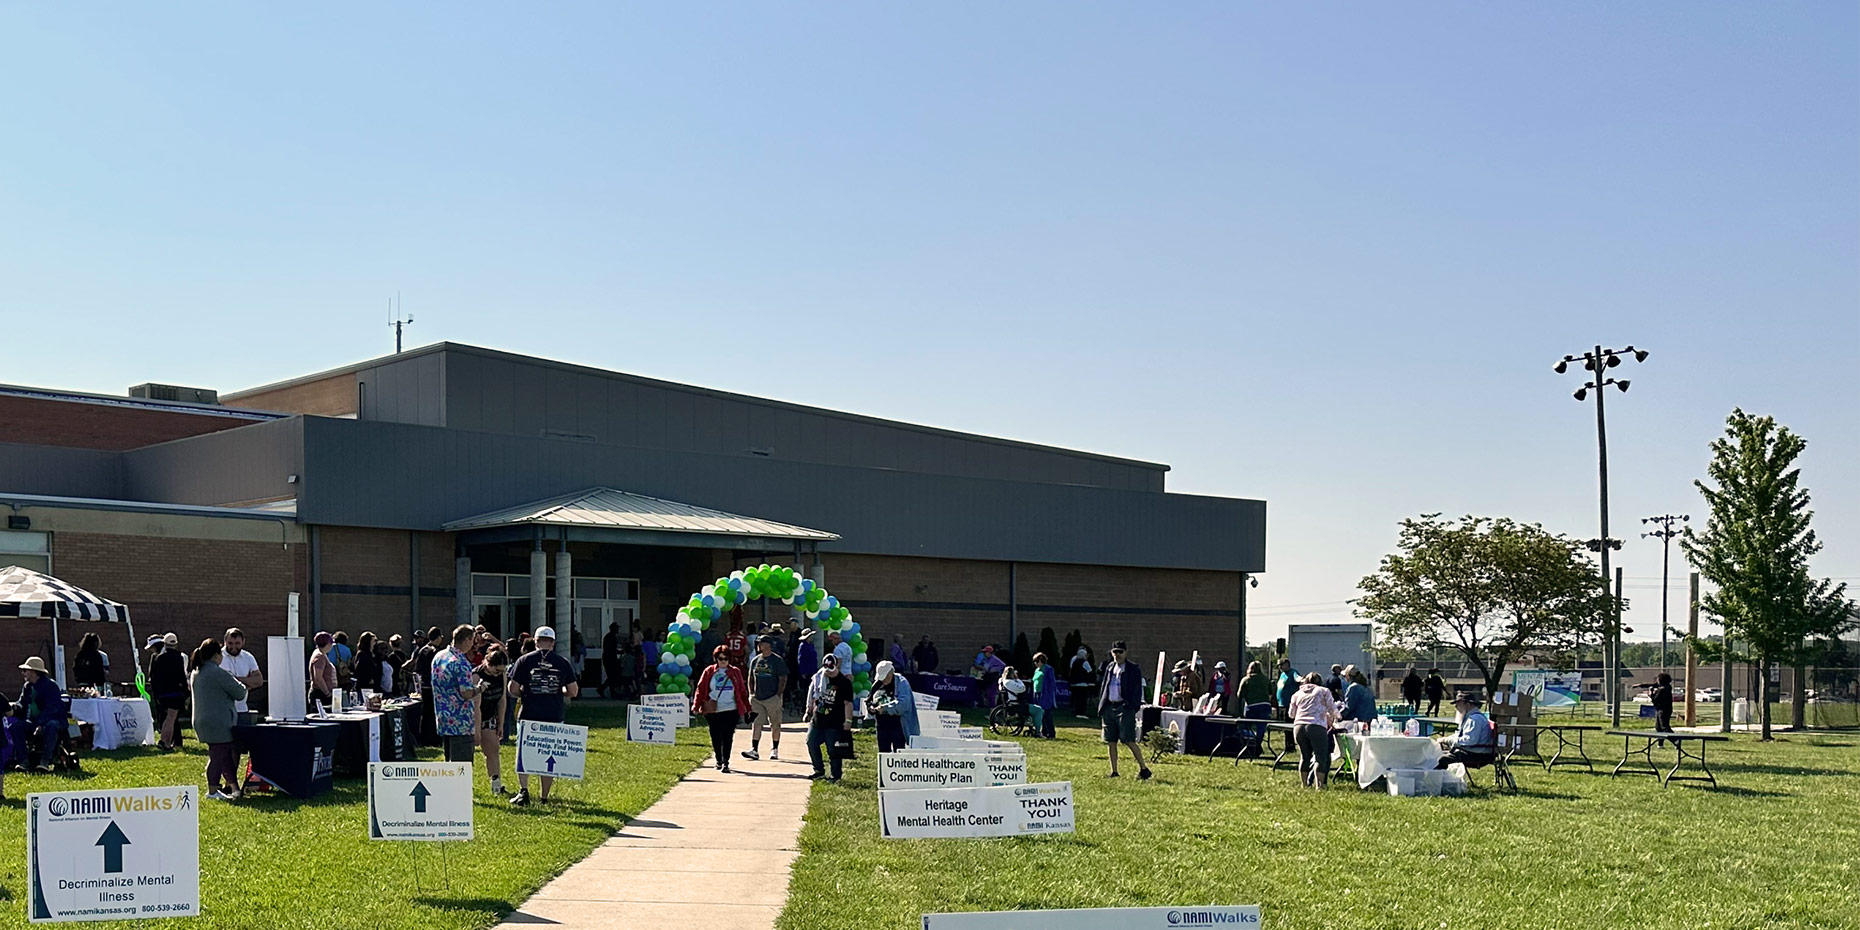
column 678, row 658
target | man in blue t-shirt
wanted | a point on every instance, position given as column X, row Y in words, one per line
column 542, row 682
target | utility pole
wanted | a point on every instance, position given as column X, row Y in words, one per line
column 1599, row 361
column 1692, row 656
column 1665, row 535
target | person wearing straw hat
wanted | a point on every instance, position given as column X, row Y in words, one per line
column 1473, row 744
column 44, row 708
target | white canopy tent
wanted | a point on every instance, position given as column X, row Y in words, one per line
column 28, row 595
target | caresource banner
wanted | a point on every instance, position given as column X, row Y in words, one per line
column 911, row 768
column 1008, row 810
column 1110, row 918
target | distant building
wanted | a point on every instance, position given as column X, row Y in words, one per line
column 443, row 485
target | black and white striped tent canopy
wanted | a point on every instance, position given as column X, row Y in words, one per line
column 28, row 594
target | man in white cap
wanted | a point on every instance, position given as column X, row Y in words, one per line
column 543, row 682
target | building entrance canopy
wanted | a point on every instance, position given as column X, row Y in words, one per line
column 610, row 515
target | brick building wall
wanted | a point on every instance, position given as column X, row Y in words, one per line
column 334, row 396
column 195, row 588
column 366, row 577
column 85, row 425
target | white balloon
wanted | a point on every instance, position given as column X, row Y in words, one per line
column 682, row 659
column 812, row 614
column 787, row 600
column 738, row 574
column 845, row 625
column 708, row 589
column 859, row 658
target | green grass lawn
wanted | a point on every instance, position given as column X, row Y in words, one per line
column 279, row 863
column 1777, row 845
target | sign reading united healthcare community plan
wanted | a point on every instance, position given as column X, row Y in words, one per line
column 1009, row 810
column 1108, row 918
column 419, row 801
column 559, row 750
column 646, row 725
column 930, row 768
column 124, row 854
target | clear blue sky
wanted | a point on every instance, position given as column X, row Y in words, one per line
column 1323, row 256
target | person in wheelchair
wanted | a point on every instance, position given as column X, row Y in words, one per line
column 1473, row 743
column 46, row 712
column 1011, row 699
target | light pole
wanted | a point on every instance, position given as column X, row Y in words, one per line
column 1598, row 362
column 1665, row 535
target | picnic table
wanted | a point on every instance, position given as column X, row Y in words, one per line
column 1678, row 741
column 1346, row 764
column 1558, row 732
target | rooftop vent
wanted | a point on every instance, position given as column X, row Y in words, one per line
column 188, row 395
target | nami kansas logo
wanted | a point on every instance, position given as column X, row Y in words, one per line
column 1223, row 917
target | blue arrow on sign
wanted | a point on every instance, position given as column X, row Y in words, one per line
column 113, row 842
column 549, row 764
column 420, row 794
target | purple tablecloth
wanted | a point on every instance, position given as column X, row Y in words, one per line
column 952, row 690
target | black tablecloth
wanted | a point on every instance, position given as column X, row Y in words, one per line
column 295, row 758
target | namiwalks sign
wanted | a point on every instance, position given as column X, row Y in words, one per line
column 1239, row 917
column 126, row 854
column 557, row 749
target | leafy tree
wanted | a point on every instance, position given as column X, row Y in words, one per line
column 1755, row 549
column 1489, row 588
column 1049, row 644
column 1074, row 642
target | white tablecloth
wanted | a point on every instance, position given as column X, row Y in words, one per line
column 1376, row 755
column 1176, row 719
column 116, row 722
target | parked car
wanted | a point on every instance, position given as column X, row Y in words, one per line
column 1708, row 696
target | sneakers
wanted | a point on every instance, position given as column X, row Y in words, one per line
column 831, row 781
column 520, row 799
column 1143, row 774
column 218, row 796
column 775, row 753
column 752, row 755
column 816, row 776
column 724, row 768
column 497, row 788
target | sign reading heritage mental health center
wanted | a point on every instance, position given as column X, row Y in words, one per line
column 419, row 801
column 910, row 768
column 645, row 725
column 123, row 854
column 1109, row 918
column 676, row 707
column 1009, row 810
column 555, row 749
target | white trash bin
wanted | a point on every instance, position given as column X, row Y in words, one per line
column 1740, row 711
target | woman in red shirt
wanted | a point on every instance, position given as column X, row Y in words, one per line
column 721, row 693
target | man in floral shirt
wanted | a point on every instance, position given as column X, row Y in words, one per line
column 455, row 697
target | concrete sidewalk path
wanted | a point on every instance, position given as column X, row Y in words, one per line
column 713, row 852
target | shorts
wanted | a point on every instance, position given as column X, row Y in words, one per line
column 767, row 710
column 1120, row 722
column 459, row 748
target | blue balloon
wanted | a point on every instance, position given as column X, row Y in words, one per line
column 832, row 602
column 807, row 584
column 854, row 629
column 736, row 584
column 709, row 601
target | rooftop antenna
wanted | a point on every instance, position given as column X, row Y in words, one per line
column 394, row 309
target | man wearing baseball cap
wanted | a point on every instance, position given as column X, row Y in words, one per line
column 1118, row 701
column 543, row 682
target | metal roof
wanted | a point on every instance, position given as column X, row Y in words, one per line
column 624, row 510
column 284, row 510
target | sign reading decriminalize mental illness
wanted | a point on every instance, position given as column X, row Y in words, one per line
column 559, row 750
column 646, row 725
column 419, row 801
column 1009, row 810
column 123, row 854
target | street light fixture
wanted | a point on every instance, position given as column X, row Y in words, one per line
column 1599, row 360
column 1665, row 535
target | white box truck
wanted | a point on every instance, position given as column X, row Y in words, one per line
column 1315, row 647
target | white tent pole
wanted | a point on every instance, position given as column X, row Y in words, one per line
column 57, row 656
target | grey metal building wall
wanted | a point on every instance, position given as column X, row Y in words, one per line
column 414, row 477
column 251, row 463
column 57, row 471
column 464, row 387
